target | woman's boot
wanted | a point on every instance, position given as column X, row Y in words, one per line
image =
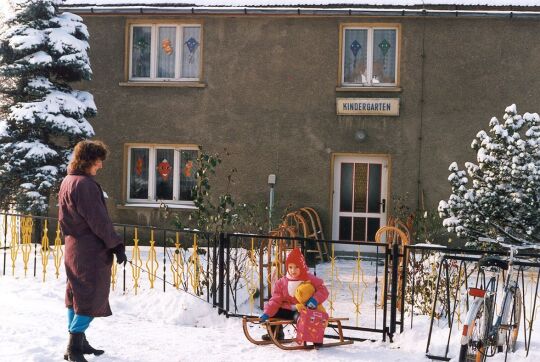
column 75, row 347
column 88, row 349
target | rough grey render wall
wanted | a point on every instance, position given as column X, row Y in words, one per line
column 271, row 94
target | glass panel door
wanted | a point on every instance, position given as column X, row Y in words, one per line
column 360, row 192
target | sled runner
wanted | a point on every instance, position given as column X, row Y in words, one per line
column 290, row 344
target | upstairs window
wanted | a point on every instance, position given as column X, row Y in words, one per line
column 369, row 56
column 161, row 174
column 165, row 52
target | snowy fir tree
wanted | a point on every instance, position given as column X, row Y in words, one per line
column 499, row 196
column 42, row 117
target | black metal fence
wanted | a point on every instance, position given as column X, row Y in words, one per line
column 358, row 283
column 447, row 274
column 378, row 286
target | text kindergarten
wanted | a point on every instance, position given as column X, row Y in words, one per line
column 368, row 106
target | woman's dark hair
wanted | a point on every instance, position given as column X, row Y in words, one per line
column 86, row 153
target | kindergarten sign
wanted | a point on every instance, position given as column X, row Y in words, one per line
column 368, row 106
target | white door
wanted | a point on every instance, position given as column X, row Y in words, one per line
column 359, row 197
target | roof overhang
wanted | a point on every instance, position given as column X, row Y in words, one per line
column 300, row 11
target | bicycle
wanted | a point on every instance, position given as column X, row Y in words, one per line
column 483, row 336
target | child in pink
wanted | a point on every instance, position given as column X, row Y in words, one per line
column 282, row 304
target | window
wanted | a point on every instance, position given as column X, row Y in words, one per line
column 161, row 173
column 165, row 52
column 369, row 56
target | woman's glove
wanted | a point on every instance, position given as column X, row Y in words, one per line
column 120, row 252
column 264, row 317
column 312, row 303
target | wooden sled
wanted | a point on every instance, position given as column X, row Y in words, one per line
column 290, row 344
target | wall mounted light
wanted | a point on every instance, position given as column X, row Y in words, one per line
column 360, row 135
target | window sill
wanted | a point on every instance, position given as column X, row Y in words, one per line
column 163, row 84
column 129, row 206
column 368, row 89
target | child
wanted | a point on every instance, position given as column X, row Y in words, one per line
column 282, row 304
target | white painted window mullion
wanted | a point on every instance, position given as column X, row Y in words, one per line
column 370, row 56
column 130, row 167
column 343, row 45
column 152, row 174
column 176, row 174
column 177, row 67
column 130, row 70
column 153, row 52
column 181, row 51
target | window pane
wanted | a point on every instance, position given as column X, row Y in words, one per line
column 166, row 51
column 191, row 52
column 345, row 197
column 373, row 224
column 345, row 228
column 355, row 56
column 164, row 174
column 374, row 198
column 188, row 175
column 359, row 231
column 140, row 58
column 360, row 187
column 138, row 173
column 384, row 56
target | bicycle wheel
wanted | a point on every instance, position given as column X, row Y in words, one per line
column 514, row 323
column 474, row 351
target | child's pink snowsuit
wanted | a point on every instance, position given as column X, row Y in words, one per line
column 282, row 299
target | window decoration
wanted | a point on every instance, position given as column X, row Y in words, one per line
column 192, row 45
column 139, row 166
column 163, row 184
column 166, row 45
column 141, row 51
column 164, row 168
column 355, row 48
column 187, row 168
column 369, row 56
column 138, row 186
column 158, row 54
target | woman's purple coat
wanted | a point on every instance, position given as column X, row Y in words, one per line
column 89, row 238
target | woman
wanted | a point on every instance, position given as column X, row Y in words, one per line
column 90, row 242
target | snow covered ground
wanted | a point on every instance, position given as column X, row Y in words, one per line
column 175, row 326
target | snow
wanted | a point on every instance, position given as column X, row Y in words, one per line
column 175, row 326
column 304, row 2
column 3, row 128
column 36, row 149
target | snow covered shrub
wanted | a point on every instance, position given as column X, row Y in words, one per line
column 42, row 117
column 422, row 284
column 498, row 197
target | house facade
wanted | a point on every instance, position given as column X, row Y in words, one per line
column 349, row 106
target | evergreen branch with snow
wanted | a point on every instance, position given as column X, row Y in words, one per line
column 499, row 196
column 41, row 117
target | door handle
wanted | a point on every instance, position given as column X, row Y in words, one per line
column 383, row 203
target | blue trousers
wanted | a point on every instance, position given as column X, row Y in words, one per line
column 78, row 323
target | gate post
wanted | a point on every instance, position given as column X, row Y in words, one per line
column 221, row 271
column 394, row 289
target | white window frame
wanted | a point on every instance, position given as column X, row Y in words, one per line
column 179, row 46
column 369, row 70
column 151, row 200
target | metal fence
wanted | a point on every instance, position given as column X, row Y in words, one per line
column 378, row 286
column 357, row 284
column 447, row 274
